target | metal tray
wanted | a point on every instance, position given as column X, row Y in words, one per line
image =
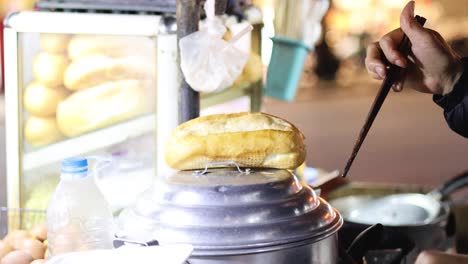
column 149, row 6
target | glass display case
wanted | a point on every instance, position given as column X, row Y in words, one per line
column 85, row 84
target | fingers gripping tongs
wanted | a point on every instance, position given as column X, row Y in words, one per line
column 393, row 74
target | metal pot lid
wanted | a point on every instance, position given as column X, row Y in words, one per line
column 225, row 209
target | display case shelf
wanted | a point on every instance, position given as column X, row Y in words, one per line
column 89, row 142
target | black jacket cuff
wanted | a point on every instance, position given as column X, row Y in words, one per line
column 455, row 104
column 460, row 90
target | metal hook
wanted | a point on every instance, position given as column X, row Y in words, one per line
column 118, row 242
column 221, row 163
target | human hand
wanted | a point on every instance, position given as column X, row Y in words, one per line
column 435, row 257
column 432, row 66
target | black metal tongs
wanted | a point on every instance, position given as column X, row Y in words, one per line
column 393, row 74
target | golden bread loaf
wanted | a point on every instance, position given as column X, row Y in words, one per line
column 111, row 46
column 104, row 105
column 253, row 70
column 54, row 43
column 41, row 131
column 97, row 69
column 250, row 139
column 42, row 101
column 49, row 68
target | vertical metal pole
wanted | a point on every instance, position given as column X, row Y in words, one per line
column 188, row 17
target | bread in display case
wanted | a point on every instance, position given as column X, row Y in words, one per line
column 82, row 84
column 89, row 82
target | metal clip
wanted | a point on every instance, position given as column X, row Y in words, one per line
column 118, row 242
column 221, row 163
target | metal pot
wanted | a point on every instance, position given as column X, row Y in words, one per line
column 426, row 219
column 235, row 216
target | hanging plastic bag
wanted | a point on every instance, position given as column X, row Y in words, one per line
column 209, row 63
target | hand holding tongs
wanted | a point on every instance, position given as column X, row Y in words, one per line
column 394, row 73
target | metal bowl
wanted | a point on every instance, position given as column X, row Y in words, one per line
column 228, row 211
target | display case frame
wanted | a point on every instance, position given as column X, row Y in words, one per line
column 167, row 81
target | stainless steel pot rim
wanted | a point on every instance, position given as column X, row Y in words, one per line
column 272, row 245
column 267, row 247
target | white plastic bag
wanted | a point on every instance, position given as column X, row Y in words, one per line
column 208, row 62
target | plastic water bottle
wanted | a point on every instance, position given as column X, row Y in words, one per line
column 78, row 216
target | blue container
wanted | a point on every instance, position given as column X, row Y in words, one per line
column 285, row 68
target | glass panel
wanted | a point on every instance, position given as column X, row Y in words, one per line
column 85, row 95
column 130, row 172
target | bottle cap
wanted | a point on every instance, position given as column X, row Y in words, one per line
column 75, row 165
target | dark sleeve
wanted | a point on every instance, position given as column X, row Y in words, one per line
column 455, row 104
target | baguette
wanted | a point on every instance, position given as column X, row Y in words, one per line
column 97, row 69
column 249, row 139
column 104, row 105
column 54, row 43
column 42, row 101
column 112, row 46
column 41, row 131
column 49, row 68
